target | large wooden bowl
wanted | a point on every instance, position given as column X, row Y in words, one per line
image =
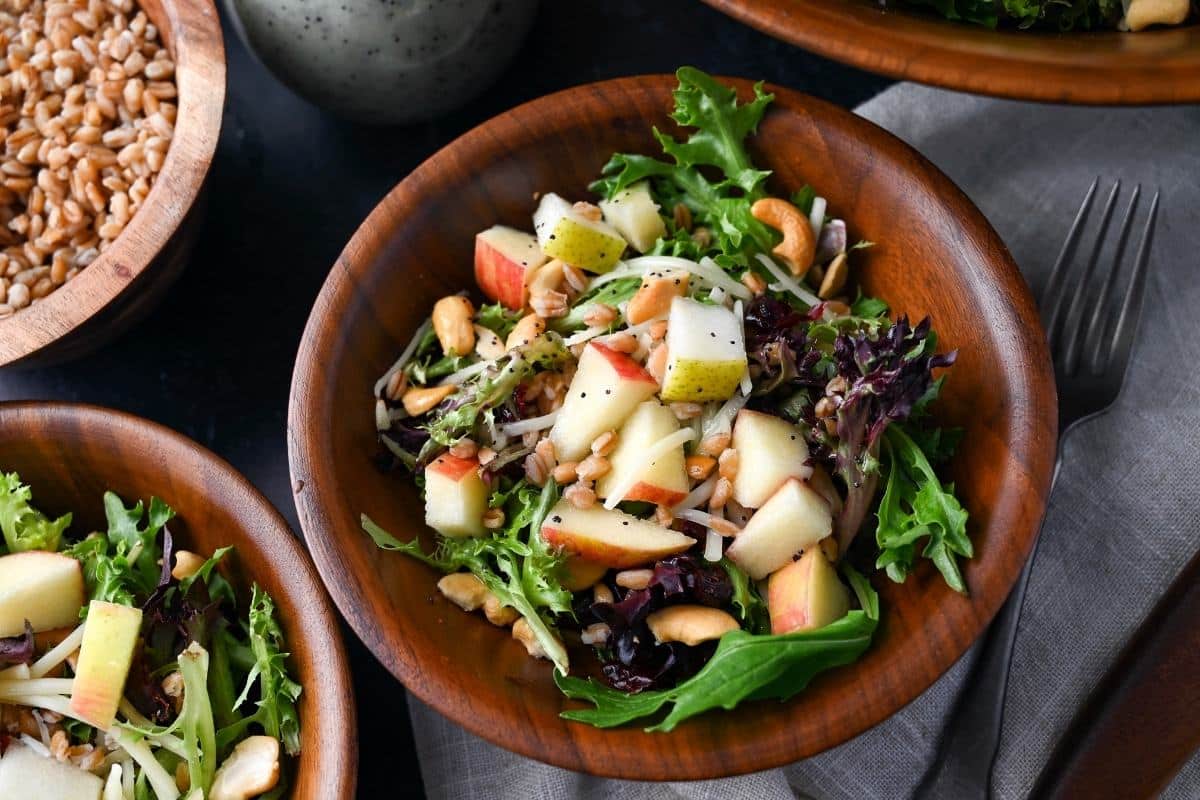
column 1161, row 65
column 135, row 271
column 71, row 454
column 936, row 255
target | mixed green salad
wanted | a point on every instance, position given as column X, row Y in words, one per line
column 130, row 669
column 1063, row 15
column 659, row 443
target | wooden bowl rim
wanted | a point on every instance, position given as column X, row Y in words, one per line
column 199, row 51
column 335, row 761
column 908, row 44
column 310, row 468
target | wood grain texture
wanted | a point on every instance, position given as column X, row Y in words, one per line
column 71, row 454
column 936, row 254
column 1157, row 66
column 135, row 271
column 1138, row 728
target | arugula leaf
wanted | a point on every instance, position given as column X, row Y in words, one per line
column 864, row 306
column 751, row 607
column 122, row 565
column 718, row 142
column 744, row 667
column 915, row 505
column 23, row 526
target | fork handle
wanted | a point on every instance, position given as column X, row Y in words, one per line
column 963, row 767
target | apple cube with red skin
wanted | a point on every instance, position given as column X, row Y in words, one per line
column 505, row 261
column 663, row 481
column 806, row 594
column 44, row 588
column 110, row 635
column 611, row 538
column 455, row 496
column 770, row 450
column 607, row 387
column 794, row 519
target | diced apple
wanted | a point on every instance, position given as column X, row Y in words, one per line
column 565, row 234
column 25, row 774
column 505, row 262
column 706, row 355
column 455, row 496
column 606, row 388
column 634, row 214
column 612, row 538
column 577, row 574
column 770, row 450
column 663, row 481
column 44, row 588
column 794, row 519
column 109, row 637
column 806, row 594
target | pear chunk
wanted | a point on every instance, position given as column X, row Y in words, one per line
column 706, row 353
column 565, row 234
column 633, row 212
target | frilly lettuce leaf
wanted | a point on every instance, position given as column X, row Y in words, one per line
column 23, row 526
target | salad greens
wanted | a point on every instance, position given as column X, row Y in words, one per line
column 23, row 526
column 1063, row 15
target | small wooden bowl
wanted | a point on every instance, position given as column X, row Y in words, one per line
column 936, row 255
column 71, row 454
column 1150, row 67
column 135, row 271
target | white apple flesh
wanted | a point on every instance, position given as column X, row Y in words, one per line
column 770, row 450
column 663, row 481
column 505, row 262
column 44, row 588
column 605, row 390
column 27, row 775
column 795, row 518
column 565, row 234
column 109, row 636
column 706, row 353
column 612, row 538
column 455, row 496
column 634, row 214
column 806, row 594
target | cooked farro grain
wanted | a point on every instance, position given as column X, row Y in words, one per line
column 87, row 109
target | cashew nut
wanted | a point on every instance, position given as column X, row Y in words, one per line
column 487, row 343
column 1140, row 14
column 187, row 564
column 835, row 277
column 653, row 298
column 498, row 613
column 464, row 590
column 547, row 278
column 529, row 328
column 690, row 624
column 419, row 400
column 252, row 768
column 524, row 634
column 452, row 324
column 799, row 245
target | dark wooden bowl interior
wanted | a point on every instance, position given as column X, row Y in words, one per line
column 133, row 274
column 1161, row 65
column 71, row 454
column 936, row 255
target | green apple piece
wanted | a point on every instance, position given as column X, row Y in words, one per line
column 607, row 387
column 25, row 774
column 567, row 235
column 794, row 519
column 806, row 594
column 770, row 450
column 44, row 588
column 634, row 214
column 663, row 481
column 706, row 354
column 455, row 496
column 109, row 636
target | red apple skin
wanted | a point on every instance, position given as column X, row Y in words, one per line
column 649, row 493
column 453, row 467
column 802, row 595
column 625, row 367
column 501, row 276
column 606, row 554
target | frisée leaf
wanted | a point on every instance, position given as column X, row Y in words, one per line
column 23, row 526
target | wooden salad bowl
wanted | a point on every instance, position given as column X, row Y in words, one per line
column 135, row 271
column 71, row 454
column 936, row 255
column 1156, row 66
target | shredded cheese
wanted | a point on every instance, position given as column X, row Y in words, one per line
column 816, row 217
column 460, row 377
column 787, row 282
column 381, row 384
column 523, row 426
column 697, row 496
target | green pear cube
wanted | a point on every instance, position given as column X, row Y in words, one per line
column 706, row 353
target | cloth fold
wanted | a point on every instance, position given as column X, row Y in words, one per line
column 1122, row 518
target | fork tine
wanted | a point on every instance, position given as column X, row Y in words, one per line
column 1131, row 309
column 1074, row 308
column 1095, row 328
column 1051, row 293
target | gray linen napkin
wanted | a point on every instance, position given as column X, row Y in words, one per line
column 1122, row 519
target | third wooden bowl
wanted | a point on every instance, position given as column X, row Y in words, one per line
column 936, row 254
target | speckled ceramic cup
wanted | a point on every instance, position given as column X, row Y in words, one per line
column 385, row 61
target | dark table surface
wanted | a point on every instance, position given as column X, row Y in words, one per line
column 288, row 187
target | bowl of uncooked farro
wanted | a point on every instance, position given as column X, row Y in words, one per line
column 110, row 112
